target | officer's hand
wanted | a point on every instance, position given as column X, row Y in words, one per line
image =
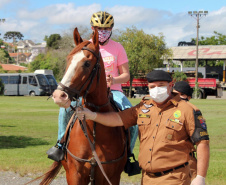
column 85, row 113
column 198, row 180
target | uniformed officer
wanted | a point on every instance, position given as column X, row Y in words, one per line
column 185, row 92
column 183, row 89
column 168, row 129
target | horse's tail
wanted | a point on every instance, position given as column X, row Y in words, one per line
column 48, row 177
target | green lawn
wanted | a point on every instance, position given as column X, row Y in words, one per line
column 28, row 128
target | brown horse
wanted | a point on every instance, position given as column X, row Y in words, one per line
column 85, row 76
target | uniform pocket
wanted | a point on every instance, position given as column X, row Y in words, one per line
column 143, row 125
column 173, row 130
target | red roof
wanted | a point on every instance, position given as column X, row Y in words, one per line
column 15, row 54
column 13, row 67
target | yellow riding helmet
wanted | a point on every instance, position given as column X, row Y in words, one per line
column 102, row 19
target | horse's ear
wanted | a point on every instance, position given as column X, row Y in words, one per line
column 96, row 39
column 77, row 37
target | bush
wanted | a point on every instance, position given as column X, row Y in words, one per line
column 1, row 87
column 179, row 76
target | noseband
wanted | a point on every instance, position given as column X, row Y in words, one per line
column 75, row 94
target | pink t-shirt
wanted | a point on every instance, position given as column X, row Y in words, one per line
column 113, row 55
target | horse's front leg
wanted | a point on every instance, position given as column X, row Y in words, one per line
column 77, row 177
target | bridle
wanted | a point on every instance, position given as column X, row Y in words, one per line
column 75, row 94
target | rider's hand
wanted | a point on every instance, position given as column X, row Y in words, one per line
column 198, row 180
column 110, row 80
column 85, row 113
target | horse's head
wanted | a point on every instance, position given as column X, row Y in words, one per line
column 82, row 71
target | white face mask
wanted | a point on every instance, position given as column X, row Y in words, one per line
column 159, row 94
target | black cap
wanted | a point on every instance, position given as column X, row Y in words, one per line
column 158, row 75
column 183, row 87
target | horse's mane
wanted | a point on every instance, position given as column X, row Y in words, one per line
column 77, row 48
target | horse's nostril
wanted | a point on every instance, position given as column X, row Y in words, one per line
column 64, row 95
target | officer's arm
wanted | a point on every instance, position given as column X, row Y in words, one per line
column 111, row 119
column 203, row 155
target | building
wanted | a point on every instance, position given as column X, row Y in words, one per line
column 20, row 57
column 28, row 46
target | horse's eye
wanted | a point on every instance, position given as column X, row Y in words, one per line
column 87, row 64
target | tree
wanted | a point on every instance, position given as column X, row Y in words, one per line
column 216, row 39
column 13, row 35
column 144, row 51
column 4, row 56
column 52, row 61
column 179, row 76
column 53, row 41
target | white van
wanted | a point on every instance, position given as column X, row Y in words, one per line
column 49, row 75
column 32, row 84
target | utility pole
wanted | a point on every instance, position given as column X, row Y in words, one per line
column 197, row 15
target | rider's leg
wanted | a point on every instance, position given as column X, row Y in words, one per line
column 63, row 119
column 123, row 104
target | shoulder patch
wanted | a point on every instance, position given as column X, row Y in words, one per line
column 202, row 121
column 200, row 132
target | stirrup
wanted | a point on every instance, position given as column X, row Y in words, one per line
column 55, row 153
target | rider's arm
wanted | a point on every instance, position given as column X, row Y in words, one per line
column 124, row 74
column 123, row 77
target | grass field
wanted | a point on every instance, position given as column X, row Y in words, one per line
column 28, row 128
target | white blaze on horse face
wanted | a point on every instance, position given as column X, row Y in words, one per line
column 71, row 69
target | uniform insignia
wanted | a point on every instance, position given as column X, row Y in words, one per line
column 148, row 106
column 177, row 114
column 202, row 122
column 144, row 116
column 169, row 136
column 145, row 110
column 203, row 133
column 176, row 121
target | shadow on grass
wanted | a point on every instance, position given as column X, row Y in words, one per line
column 6, row 126
column 8, row 142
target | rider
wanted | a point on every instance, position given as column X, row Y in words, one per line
column 116, row 69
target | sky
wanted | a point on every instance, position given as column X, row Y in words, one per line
column 37, row 18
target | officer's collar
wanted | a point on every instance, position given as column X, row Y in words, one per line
column 175, row 98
